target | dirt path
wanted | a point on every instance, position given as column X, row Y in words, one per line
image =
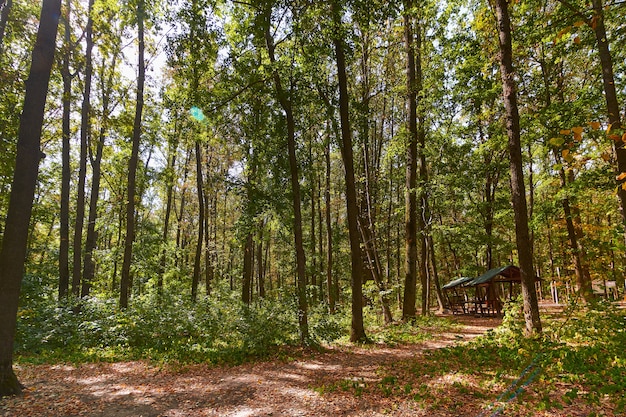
column 308, row 386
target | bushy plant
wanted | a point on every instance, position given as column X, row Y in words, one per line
column 218, row 328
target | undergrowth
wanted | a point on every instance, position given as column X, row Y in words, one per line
column 579, row 358
column 219, row 329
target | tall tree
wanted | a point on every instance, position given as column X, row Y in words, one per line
column 410, row 277
column 357, row 331
column 14, row 242
column 106, row 86
column 518, row 193
column 285, row 101
column 64, row 221
column 133, row 161
column 85, row 134
column 90, row 242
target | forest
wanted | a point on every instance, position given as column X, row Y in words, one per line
column 212, row 181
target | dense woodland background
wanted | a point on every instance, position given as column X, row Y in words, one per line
column 236, row 137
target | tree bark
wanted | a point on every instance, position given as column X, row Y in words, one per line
column 125, row 284
column 247, row 269
column 610, row 95
column 14, row 241
column 85, row 134
column 171, row 165
column 357, row 331
column 518, row 194
column 90, row 241
column 329, row 233
column 410, row 222
column 64, row 221
column 4, row 18
column 201, row 214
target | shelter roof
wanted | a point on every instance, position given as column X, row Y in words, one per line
column 455, row 283
column 509, row 273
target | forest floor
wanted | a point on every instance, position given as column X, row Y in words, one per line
column 337, row 381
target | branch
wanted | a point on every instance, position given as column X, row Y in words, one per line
column 237, row 94
column 576, row 11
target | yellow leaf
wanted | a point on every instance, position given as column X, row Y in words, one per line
column 624, row 137
column 565, row 132
column 569, row 158
column 594, row 125
column 577, row 40
column 578, row 137
column 624, row 186
column 556, row 142
column 578, row 130
column 563, row 32
column 621, row 176
column 615, row 137
column 579, row 24
column 606, row 157
column 564, row 153
column 608, row 128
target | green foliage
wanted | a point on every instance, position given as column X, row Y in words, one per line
column 167, row 329
column 170, row 328
column 581, row 350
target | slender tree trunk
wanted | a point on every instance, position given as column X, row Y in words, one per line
column 357, row 333
column 329, row 233
column 610, row 95
column 518, row 194
column 179, row 217
column 85, row 134
column 286, row 104
column 247, row 269
column 90, row 241
column 125, row 285
column 4, row 18
column 410, row 228
column 435, row 274
column 208, row 262
column 171, row 166
column 259, row 251
column 14, row 240
column 197, row 270
column 64, row 221
column 320, row 237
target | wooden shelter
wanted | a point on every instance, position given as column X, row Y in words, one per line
column 455, row 294
column 490, row 289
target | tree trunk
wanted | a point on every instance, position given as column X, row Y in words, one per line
column 435, row 274
column 125, row 284
column 64, row 221
column 171, row 165
column 90, row 241
column 14, row 241
column 329, row 233
column 518, row 194
column 248, row 269
column 610, row 95
column 85, row 134
column 410, row 223
column 197, row 270
column 424, row 209
column 286, row 104
column 4, row 18
column 260, row 272
column 357, row 332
